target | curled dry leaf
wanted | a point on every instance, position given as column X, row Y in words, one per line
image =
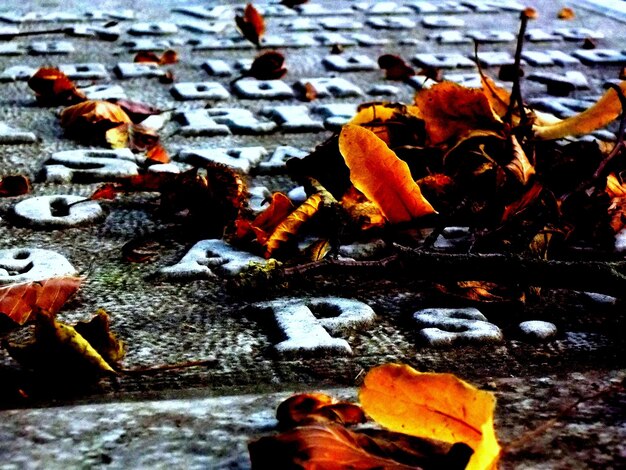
column 251, row 24
column 519, row 166
column 395, row 67
column 361, row 210
column 263, row 225
column 381, row 176
column 136, row 111
column 310, row 92
column 53, row 87
column 157, row 154
column 451, row 110
column 14, row 185
column 90, row 120
column 482, row 292
column 290, row 226
column 602, row 113
column 60, row 350
column 566, row 13
column 437, row 406
column 268, row 66
column 307, row 408
column 133, row 136
column 168, row 57
column 20, row 300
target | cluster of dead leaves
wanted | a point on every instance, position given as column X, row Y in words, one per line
column 431, row 420
column 85, row 351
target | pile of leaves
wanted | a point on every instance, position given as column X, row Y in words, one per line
column 431, row 421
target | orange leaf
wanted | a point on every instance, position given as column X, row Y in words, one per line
column 90, row 120
column 523, row 202
column 377, row 172
column 106, row 191
column 146, row 56
column 606, row 109
column 395, row 67
column 15, row 185
column 18, row 301
column 363, row 211
column 53, row 87
column 437, row 406
column 157, row 154
column 251, row 24
column 614, row 188
column 289, row 227
column 328, row 447
column 132, row 136
column 279, row 208
column 169, row 57
column 451, row 110
column 519, row 166
column 566, row 13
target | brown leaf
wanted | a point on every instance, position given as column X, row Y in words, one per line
column 317, row 407
column 268, row 66
column 522, row 202
column 251, row 24
column 289, row 227
column 328, row 447
column 451, row 110
column 482, row 292
column 395, row 67
column 136, row 111
column 14, row 185
column 18, row 301
column 279, row 208
column 52, row 87
column 365, row 213
column 106, row 191
column 169, row 57
column 381, row 176
column 98, row 334
column 519, row 166
column 90, row 120
column 310, row 92
column 146, row 56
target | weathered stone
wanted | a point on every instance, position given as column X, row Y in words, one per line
column 263, row 89
column 442, row 22
column 58, row 211
column 88, row 166
column 158, row 28
column 32, row 264
column 307, row 334
column 9, row 135
column 336, row 114
column 578, row 34
column 200, row 91
column 278, row 160
column 352, row 63
column 270, row 11
column 364, row 250
column 50, row 47
column 537, row 330
column 495, row 59
column 217, row 67
column 211, row 13
column 550, row 57
column 539, row 35
column 86, row 71
column 385, row 8
column 330, row 39
column 147, row 44
column 126, row 70
column 561, row 84
column 222, row 121
column 297, row 195
column 340, row 24
column 451, row 60
column 208, row 256
column 17, row 72
column 242, row 158
column 335, row 87
column 454, row 238
column 367, row 40
column 421, row 82
column 293, row 118
column 391, row 22
column 301, row 24
column 600, row 56
column 447, row 326
column 491, row 36
column 12, row 48
column 104, row 92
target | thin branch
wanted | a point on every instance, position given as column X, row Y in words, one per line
column 516, row 94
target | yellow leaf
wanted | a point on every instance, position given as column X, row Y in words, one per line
column 289, row 227
column 437, row 406
column 607, row 109
column 614, row 188
column 377, row 172
column 451, row 110
column 520, row 167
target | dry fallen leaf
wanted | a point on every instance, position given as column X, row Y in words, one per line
column 381, row 176
column 361, row 210
column 307, row 408
column 603, row 112
column 437, row 406
column 268, row 66
column 519, row 166
column 251, row 24
column 60, row 350
column 263, row 225
column 18, row 301
column 566, row 13
column 52, row 87
column 137, row 111
column 168, row 57
column 14, row 185
column 133, row 136
column 395, row 67
column 290, row 226
column 451, row 110
column 90, row 120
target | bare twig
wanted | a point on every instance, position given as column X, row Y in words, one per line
column 516, row 94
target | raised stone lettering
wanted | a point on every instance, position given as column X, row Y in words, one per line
column 87, row 166
column 447, row 326
column 200, row 91
column 293, row 118
column 353, row 63
column 242, row 158
column 58, row 211
column 32, row 264
column 263, row 89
